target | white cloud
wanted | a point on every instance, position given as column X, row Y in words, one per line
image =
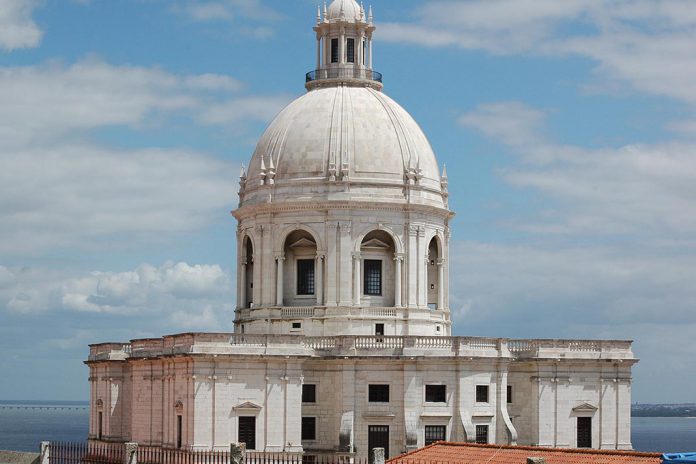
column 184, row 296
column 17, row 28
column 50, row 100
column 649, row 44
column 92, row 195
column 227, row 10
column 646, row 190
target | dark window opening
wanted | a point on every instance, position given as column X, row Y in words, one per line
column 434, row 433
column 378, row 393
column 482, row 393
column 309, row 459
column 373, row 277
column 435, row 393
column 247, row 431
column 305, row 277
column 350, row 49
column 378, row 437
column 334, row 50
column 179, row 433
column 379, row 329
column 309, row 393
column 482, row 434
column 101, row 424
column 584, row 432
column 509, row 394
column 364, row 46
column 296, row 325
column 309, row 428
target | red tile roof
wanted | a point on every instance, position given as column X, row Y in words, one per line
column 469, row 453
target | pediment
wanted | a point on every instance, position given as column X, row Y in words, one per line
column 247, row 406
column 584, row 407
column 374, row 243
column 303, row 242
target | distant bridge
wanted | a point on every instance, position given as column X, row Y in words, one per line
column 45, row 406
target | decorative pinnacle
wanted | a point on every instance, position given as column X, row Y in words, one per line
column 369, row 15
column 362, row 12
column 444, row 173
column 326, row 13
column 318, row 14
column 242, row 173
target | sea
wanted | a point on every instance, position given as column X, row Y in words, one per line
column 23, row 425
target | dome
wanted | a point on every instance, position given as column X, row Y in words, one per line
column 356, row 131
column 350, row 8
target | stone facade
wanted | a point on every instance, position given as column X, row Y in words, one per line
column 342, row 332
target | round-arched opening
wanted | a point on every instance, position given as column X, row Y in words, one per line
column 434, row 275
column 299, row 270
column 376, row 264
column 247, row 270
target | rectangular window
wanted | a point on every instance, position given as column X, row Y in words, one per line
column 378, row 393
column 435, row 393
column 309, row 428
column 482, row 434
column 378, row 437
column 434, row 433
column 373, row 277
column 305, row 277
column 334, row 50
column 101, row 424
column 247, row 431
column 364, row 46
column 379, row 329
column 309, row 393
column 482, row 393
column 350, row 49
column 178, row 432
column 296, row 325
column 509, row 394
column 584, row 432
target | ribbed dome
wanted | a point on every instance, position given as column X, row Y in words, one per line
column 351, row 9
column 357, row 129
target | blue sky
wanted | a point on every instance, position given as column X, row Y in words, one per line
column 567, row 129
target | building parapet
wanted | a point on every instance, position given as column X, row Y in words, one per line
column 362, row 346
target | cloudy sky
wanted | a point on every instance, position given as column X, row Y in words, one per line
column 568, row 129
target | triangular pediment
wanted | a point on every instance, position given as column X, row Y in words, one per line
column 584, row 407
column 248, row 406
column 374, row 243
column 303, row 242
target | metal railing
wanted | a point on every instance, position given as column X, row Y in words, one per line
column 343, row 73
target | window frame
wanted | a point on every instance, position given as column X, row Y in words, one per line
column 374, row 395
column 436, row 393
column 309, row 284
column 482, row 430
column 442, row 428
column 365, row 276
column 334, row 50
column 305, row 426
column 350, row 44
column 306, row 388
column 482, row 397
column 509, row 393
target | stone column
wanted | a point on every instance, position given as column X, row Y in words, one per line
column 342, row 47
column 369, row 44
column 398, row 258
column 440, row 284
column 280, row 259
column 319, row 279
column 242, row 284
column 356, row 279
column 345, row 272
column 331, row 264
column 412, row 272
column 422, row 261
column 318, row 51
column 45, row 456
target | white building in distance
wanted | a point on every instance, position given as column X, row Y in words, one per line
column 342, row 336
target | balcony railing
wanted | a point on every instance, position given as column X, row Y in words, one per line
column 343, row 73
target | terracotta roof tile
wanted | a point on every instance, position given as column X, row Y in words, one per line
column 469, row 453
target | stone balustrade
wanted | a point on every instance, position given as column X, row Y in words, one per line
column 361, row 345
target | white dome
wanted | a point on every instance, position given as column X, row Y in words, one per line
column 355, row 128
column 351, row 9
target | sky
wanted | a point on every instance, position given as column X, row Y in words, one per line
column 568, row 130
